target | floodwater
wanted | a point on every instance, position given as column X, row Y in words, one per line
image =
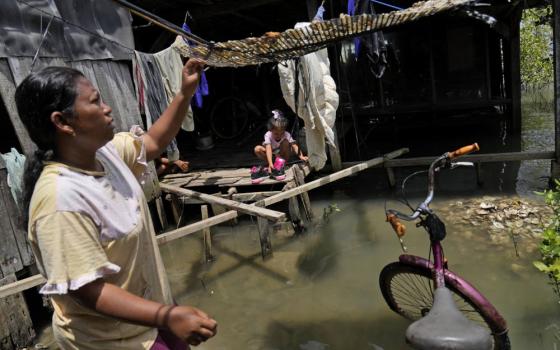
column 319, row 290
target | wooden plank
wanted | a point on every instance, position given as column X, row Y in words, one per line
column 239, row 197
column 242, row 207
column 215, row 220
column 15, row 219
column 195, row 227
column 21, row 285
column 483, row 158
column 333, row 177
column 7, row 92
column 16, row 320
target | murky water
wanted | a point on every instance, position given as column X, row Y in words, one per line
column 320, row 290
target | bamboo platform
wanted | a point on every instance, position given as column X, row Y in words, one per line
column 226, row 177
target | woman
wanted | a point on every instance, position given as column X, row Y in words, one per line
column 88, row 221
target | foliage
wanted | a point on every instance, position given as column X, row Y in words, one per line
column 536, row 46
column 550, row 245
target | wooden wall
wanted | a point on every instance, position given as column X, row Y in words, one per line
column 16, row 328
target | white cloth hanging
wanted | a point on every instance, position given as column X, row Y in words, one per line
column 317, row 100
column 171, row 67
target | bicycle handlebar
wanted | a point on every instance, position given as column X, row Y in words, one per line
column 393, row 216
column 463, row 150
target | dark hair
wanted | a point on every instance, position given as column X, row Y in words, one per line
column 37, row 97
column 277, row 120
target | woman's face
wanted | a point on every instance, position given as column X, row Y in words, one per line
column 92, row 123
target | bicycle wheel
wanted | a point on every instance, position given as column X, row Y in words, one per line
column 229, row 117
column 408, row 290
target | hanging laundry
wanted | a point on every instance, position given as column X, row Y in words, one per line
column 150, row 87
column 202, row 89
column 376, row 48
column 15, row 165
column 171, row 67
column 317, row 100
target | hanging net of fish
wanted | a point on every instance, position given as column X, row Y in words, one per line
column 276, row 47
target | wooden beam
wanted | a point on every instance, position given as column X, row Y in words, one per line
column 333, row 177
column 239, row 197
column 21, row 285
column 215, row 220
column 475, row 158
column 241, row 207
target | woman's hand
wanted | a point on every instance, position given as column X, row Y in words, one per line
column 191, row 74
column 191, row 324
column 303, row 158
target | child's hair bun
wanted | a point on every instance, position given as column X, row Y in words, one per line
column 277, row 114
column 277, row 120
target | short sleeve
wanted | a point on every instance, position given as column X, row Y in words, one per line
column 289, row 137
column 267, row 138
column 130, row 147
column 69, row 252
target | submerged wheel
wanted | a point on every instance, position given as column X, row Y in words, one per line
column 229, row 117
column 408, row 290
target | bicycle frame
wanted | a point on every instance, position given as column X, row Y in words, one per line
column 491, row 315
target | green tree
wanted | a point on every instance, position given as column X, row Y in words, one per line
column 536, row 46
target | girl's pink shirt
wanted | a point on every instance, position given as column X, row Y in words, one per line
column 269, row 139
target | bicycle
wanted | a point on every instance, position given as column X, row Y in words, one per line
column 448, row 312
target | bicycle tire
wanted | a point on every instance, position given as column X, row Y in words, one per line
column 229, row 117
column 408, row 291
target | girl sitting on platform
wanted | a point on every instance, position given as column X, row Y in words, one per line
column 276, row 149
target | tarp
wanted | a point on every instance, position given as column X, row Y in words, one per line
column 80, row 29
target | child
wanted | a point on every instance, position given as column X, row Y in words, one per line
column 276, row 149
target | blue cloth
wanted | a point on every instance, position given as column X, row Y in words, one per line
column 319, row 14
column 202, row 88
column 352, row 12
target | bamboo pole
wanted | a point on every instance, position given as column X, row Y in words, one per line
column 36, row 280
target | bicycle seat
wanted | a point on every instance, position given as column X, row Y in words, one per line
column 445, row 327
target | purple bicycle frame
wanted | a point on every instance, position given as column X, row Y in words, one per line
column 442, row 276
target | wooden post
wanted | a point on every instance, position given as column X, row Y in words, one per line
column 512, row 55
column 304, row 197
column 16, row 328
column 161, row 213
column 176, row 209
column 264, row 227
column 391, row 176
column 555, row 168
column 293, row 208
column 207, row 236
column 334, row 152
